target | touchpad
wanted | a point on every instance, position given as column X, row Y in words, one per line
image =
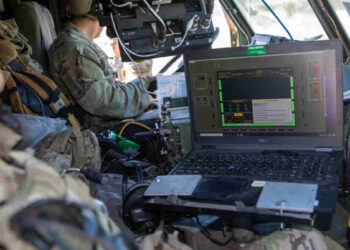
column 227, row 190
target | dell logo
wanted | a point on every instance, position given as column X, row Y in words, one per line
column 262, row 140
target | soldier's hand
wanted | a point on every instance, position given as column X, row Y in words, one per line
column 152, row 84
column 153, row 104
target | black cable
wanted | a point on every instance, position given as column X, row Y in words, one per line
column 139, row 174
column 109, row 165
column 209, row 237
column 153, row 176
column 161, row 35
column 124, row 186
column 223, row 228
column 209, row 9
column 125, row 179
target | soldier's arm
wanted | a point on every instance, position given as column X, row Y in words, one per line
column 84, row 77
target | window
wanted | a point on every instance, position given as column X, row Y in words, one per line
column 296, row 15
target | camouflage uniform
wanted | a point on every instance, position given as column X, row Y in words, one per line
column 81, row 70
column 158, row 241
column 24, row 180
column 295, row 239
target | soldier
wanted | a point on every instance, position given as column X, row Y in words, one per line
column 41, row 209
column 82, row 71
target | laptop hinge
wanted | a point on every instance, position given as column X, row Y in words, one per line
column 327, row 150
column 208, row 146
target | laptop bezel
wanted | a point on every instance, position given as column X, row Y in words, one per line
column 271, row 142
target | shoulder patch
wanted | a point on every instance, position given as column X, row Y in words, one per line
column 90, row 54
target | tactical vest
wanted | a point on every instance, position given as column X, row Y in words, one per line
column 70, row 148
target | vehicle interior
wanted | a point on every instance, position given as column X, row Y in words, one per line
column 171, row 168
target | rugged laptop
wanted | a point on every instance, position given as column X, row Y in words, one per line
column 265, row 113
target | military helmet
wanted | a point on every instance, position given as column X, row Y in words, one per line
column 80, row 8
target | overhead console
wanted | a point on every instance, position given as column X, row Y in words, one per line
column 157, row 28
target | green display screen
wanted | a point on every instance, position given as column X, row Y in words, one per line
column 257, row 98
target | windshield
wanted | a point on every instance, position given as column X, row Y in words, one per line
column 297, row 16
column 342, row 13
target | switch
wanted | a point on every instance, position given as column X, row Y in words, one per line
column 315, row 70
column 316, row 90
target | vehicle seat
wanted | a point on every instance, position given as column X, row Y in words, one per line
column 2, row 9
column 36, row 24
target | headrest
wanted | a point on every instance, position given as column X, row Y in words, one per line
column 2, row 7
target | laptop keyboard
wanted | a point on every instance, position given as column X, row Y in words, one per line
column 261, row 167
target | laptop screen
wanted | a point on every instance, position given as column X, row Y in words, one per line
column 284, row 93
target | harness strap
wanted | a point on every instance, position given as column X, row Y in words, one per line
column 28, row 111
column 24, row 65
column 54, row 96
column 11, row 89
column 78, row 149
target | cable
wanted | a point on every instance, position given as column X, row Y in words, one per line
column 155, row 14
column 124, row 186
column 210, row 8
column 205, row 23
column 126, row 50
column 336, row 30
column 122, row 5
column 172, row 33
column 158, row 6
column 279, row 20
column 209, row 237
column 188, row 28
column 132, row 123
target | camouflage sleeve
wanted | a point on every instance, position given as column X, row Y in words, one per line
column 85, row 79
column 295, row 239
